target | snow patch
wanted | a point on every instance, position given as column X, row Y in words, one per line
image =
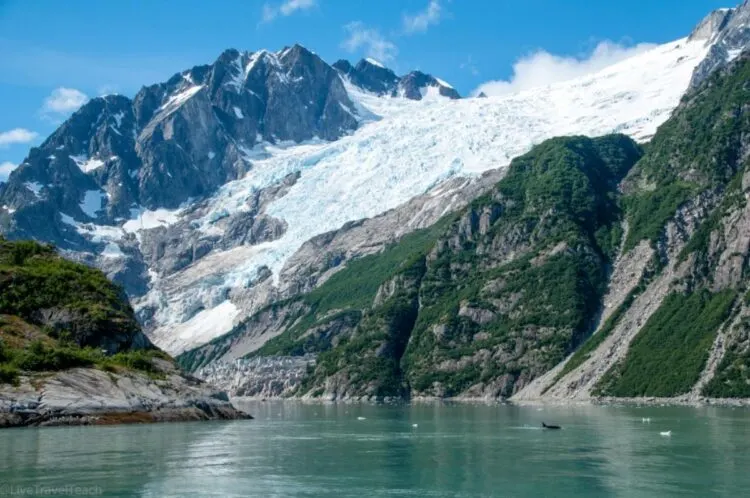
column 238, row 113
column 733, row 54
column 176, row 100
column 374, row 62
column 85, row 164
column 204, row 326
column 112, row 251
column 118, row 118
column 142, row 219
column 443, row 83
column 35, row 187
column 8, row 209
column 211, row 155
column 68, row 220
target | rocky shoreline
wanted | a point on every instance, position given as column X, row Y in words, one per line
column 646, row 401
column 84, row 396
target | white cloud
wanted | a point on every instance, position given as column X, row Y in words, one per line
column 470, row 66
column 542, row 68
column 16, row 136
column 63, row 101
column 287, row 8
column 6, row 168
column 370, row 40
column 419, row 23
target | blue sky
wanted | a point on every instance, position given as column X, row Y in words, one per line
column 55, row 54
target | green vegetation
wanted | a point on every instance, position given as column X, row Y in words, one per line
column 356, row 285
column 378, row 344
column 732, row 199
column 668, row 354
column 46, row 356
column 90, row 308
column 649, row 212
column 562, row 197
column 699, row 148
column 732, row 377
column 56, row 314
column 350, row 291
column 592, row 343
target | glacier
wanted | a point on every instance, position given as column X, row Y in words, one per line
column 403, row 148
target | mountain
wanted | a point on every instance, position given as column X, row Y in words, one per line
column 677, row 325
column 371, row 76
column 71, row 351
column 257, row 178
column 594, row 268
column 499, row 292
column 727, row 34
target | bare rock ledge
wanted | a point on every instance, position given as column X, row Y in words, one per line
column 85, row 396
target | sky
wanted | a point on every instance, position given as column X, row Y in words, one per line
column 57, row 55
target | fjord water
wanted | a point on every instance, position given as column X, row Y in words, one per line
column 293, row 449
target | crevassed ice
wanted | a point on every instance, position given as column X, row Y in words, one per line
column 405, row 148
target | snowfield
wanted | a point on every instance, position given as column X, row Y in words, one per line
column 403, row 149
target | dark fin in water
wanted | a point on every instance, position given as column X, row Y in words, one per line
column 545, row 426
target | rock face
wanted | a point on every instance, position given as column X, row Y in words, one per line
column 697, row 255
column 71, row 351
column 394, row 325
column 274, row 377
column 588, row 272
column 323, row 257
column 243, row 183
column 373, row 77
column 93, row 397
column 727, row 32
column 175, row 141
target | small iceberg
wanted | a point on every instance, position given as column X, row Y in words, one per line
column 361, row 418
column 665, row 433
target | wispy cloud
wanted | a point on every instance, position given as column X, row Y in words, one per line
column 64, row 101
column 420, row 22
column 470, row 65
column 542, row 68
column 6, row 168
column 287, row 8
column 16, row 136
column 369, row 40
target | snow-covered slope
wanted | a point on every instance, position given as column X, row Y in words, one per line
column 403, row 148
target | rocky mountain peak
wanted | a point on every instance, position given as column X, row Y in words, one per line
column 711, row 25
column 372, row 76
column 727, row 31
column 416, row 85
column 176, row 140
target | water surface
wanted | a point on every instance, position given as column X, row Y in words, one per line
column 363, row 451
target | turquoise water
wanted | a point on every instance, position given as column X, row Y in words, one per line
column 455, row 450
